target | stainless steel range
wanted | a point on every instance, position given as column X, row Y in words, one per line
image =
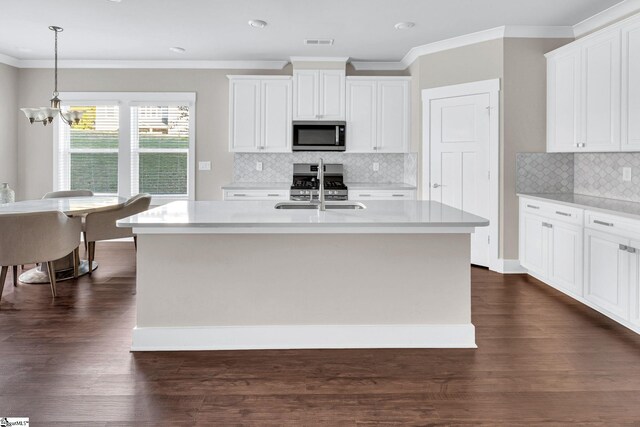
column 305, row 182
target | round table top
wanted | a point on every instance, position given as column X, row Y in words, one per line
column 69, row 205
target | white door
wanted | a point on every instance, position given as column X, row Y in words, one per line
column 565, row 256
column 276, row 115
column 533, row 244
column 331, row 99
column 305, row 95
column 606, row 272
column 393, row 117
column 600, row 118
column 563, row 101
column 460, row 152
column 244, row 127
column 631, row 88
column 361, row 115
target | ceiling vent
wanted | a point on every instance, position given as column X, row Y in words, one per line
column 318, row 42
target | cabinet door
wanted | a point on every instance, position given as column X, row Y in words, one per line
column 563, row 101
column 565, row 257
column 305, row 94
column 393, row 117
column 361, row 115
column 534, row 254
column 276, row 115
column 600, row 118
column 331, row 95
column 606, row 272
column 631, row 88
column 634, row 282
column 244, row 115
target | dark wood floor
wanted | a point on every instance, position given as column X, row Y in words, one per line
column 542, row 359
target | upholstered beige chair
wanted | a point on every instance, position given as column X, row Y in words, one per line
column 69, row 193
column 28, row 238
column 101, row 225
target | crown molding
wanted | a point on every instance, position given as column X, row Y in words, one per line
column 538, row 32
column 607, row 16
column 344, row 59
column 159, row 64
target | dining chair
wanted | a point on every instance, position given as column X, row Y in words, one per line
column 101, row 225
column 68, row 193
column 28, row 238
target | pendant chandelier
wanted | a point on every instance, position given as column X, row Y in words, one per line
column 45, row 115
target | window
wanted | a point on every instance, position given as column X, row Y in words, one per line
column 128, row 144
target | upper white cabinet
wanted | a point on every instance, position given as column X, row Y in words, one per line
column 378, row 114
column 260, row 114
column 593, row 91
column 318, row 95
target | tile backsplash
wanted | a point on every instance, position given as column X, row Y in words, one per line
column 591, row 174
column 278, row 167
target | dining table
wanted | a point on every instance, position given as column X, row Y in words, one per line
column 71, row 206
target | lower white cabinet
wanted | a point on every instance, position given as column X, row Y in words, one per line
column 256, row 195
column 591, row 256
column 382, row 194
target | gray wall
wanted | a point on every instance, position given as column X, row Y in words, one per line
column 9, row 125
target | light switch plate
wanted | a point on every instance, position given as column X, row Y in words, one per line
column 376, row 166
column 259, row 166
column 626, row 174
column 204, row 166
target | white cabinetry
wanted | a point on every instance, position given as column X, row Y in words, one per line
column 260, row 114
column 378, row 114
column 318, row 95
column 256, row 194
column 382, row 194
column 631, row 87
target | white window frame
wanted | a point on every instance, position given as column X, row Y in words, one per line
column 126, row 100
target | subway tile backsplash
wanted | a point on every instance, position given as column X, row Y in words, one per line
column 278, row 167
column 591, row 174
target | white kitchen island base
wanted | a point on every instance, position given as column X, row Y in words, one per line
column 245, row 275
column 284, row 291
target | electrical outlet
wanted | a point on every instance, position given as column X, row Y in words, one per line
column 259, row 166
column 626, row 174
column 376, row 166
column 204, row 166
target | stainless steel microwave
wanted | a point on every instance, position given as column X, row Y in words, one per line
column 319, row 136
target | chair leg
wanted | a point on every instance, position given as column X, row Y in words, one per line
column 52, row 277
column 84, row 237
column 76, row 262
column 15, row 275
column 3, row 276
column 92, row 252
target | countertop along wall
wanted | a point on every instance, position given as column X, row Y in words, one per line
column 9, row 115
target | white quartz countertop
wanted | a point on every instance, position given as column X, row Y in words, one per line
column 249, row 216
column 600, row 204
column 257, row 186
column 379, row 186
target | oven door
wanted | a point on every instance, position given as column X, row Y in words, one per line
column 319, row 136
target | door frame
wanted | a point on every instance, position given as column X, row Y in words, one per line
column 492, row 88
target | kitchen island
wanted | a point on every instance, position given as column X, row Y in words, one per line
column 245, row 275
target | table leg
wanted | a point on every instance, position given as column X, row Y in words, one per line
column 65, row 270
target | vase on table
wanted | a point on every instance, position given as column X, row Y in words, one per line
column 7, row 195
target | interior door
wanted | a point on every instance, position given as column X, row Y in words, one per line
column 460, row 153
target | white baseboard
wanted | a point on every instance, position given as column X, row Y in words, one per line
column 510, row 266
column 302, row 337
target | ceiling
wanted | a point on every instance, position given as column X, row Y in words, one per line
column 217, row 29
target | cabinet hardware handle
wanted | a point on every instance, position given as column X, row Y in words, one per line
column 272, row 195
column 546, row 224
column 608, row 224
column 239, row 194
column 623, row 247
column 563, row 213
column 398, row 195
column 631, row 250
column 533, row 207
column 365, row 195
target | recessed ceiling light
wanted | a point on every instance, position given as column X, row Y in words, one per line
column 115, row 1
column 404, row 25
column 177, row 49
column 258, row 23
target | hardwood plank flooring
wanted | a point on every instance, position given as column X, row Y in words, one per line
column 543, row 359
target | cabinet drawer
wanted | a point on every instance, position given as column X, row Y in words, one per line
column 612, row 224
column 256, row 194
column 382, row 195
column 553, row 211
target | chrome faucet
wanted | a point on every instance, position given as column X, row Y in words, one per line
column 321, row 205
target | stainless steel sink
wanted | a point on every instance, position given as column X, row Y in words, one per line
column 329, row 205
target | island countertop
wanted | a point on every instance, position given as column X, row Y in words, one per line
column 262, row 217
